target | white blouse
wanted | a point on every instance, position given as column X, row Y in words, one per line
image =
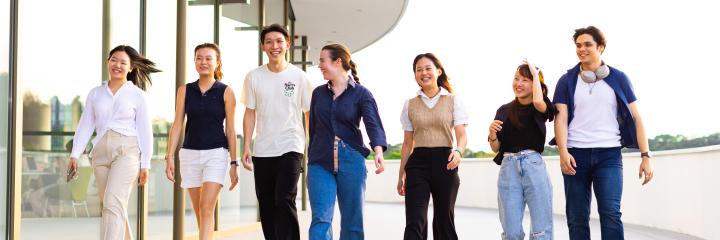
column 126, row 112
column 460, row 116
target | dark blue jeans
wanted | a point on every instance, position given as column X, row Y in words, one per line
column 601, row 169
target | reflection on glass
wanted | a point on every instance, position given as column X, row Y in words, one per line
column 56, row 79
column 4, row 116
column 161, row 96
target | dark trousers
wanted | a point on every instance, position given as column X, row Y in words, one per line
column 276, row 181
column 601, row 169
column 426, row 174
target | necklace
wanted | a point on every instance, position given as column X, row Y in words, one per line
column 592, row 85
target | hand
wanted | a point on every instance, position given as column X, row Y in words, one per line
column 379, row 165
column 567, row 163
column 533, row 70
column 72, row 164
column 495, row 127
column 401, row 186
column 453, row 160
column 646, row 169
column 143, row 178
column 170, row 168
column 233, row 176
column 247, row 159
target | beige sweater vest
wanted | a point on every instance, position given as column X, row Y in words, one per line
column 432, row 127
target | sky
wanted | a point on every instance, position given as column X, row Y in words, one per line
column 665, row 47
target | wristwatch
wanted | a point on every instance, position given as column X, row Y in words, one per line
column 233, row 163
column 645, row 154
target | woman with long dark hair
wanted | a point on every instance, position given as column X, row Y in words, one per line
column 518, row 136
column 429, row 164
column 336, row 150
column 118, row 112
column 209, row 146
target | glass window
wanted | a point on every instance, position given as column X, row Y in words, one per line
column 161, row 34
column 4, row 116
column 56, row 77
column 199, row 30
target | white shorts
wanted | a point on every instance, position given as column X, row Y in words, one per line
column 199, row 166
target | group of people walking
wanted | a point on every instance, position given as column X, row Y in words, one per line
column 593, row 107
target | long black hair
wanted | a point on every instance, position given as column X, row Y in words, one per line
column 443, row 80
column 142, row 67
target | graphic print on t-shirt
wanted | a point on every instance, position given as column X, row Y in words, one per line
column 289, row 89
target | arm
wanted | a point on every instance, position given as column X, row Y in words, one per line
column 461, row 138
column 567, row 162
column 645, row 166
column 143, row 126
column 495, row 127
column 85, row 128
column 405, row 151
column 374, row 128
column 537, row 94
column 175, row 132
column 145, row 133
column 248, row 128
column 229, row 98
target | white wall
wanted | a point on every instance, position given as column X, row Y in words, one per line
column 684, row 195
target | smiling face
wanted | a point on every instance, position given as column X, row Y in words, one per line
column 522, row 86
column 587, row 49
column 206, row 61
column 119, row 65
column 275, row 46
column 426, row 73
column 328, row 67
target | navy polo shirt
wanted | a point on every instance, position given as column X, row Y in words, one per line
column 620, row 83
column 341, row 117
column 205, row 127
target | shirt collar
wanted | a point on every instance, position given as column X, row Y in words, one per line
column 351, row 83
column 443, row 91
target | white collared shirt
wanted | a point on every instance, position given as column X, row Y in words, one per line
column 460, row 116
column 126, row 112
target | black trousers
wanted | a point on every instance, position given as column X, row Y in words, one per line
column 276, row 181
column 426, row 175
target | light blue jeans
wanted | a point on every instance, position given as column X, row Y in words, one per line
column 523, row 180
column 349, row 187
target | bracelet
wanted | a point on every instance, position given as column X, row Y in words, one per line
column 234, row 163
column 458, row 151
column 491, row 140
column 645, row 154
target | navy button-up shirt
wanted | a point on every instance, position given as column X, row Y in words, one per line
column 341, row 117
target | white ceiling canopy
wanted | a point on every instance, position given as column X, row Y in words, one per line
column 353, row 23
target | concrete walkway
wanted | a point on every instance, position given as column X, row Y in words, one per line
column 386, row 221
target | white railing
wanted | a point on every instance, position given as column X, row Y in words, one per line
column 684, row 195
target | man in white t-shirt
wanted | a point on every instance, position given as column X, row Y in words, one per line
column 275, row 96
column 597, row 117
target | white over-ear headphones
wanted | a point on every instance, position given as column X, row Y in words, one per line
column 599, row 74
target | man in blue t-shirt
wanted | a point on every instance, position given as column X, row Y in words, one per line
column 597, row 116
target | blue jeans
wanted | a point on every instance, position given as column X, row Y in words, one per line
column 602, row 169
column 524, row 180
column 349, row 187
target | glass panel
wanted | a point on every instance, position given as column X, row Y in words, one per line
column 161, row 33
column 56, row 79
column 199, row 30
column 238, row 207
column 4, row 116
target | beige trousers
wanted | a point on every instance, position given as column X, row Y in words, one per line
column 116, row 162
